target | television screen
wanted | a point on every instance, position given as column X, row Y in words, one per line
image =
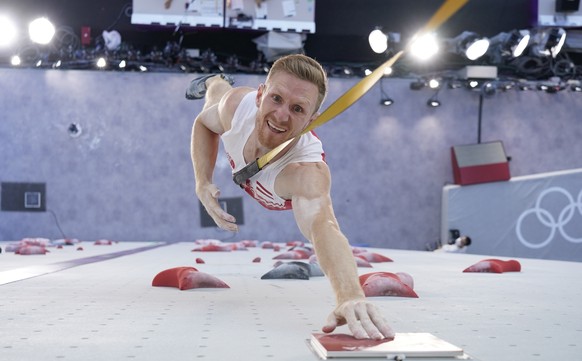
column 296, row 16
column 193, row 13
column 564, row 13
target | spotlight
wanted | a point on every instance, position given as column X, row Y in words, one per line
column 488, row 89
column 417, row 84
column 524, row 86
column 454, row 84
column 434, row 83
column 380, row 41
column 15, row 60
column 433, row 102
column 387, row 101
column 551, row 86
column 424, row 47
column 472, row 83
column 41, row 31
column 470, row 45
column 575, row 85
column 505, row 86
column 549, row 42
column 101, row 63
column 7, row 31
column 508, row 45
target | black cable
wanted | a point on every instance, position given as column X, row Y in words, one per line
column 126, row 10
column 57, row 223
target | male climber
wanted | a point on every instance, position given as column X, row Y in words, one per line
column 252, row 122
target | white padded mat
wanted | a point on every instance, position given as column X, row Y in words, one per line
column 109, row 311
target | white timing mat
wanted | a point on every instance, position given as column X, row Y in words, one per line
column 98, row 304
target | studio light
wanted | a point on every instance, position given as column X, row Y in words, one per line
column 434, row 83
column 488, row 89
column 433, row 102
column 454, row 84
column 101, row 63
column 508, row 44
column 417, row 84
column 7, row 31
column 15, row 60
column 472, row 84
column 424, row 47
column 548, row 41
column 575, row 85
column 469, row 45
column 385, row 99
column 378, row 41
column 41, row 31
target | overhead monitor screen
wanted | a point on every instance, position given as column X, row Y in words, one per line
column 296, row 16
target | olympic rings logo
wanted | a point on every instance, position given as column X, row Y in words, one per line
column 547, row 219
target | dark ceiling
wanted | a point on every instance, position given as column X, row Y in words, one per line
column 342, row 26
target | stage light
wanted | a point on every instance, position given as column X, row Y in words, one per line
column 516, row 43
column 552, row 85
column 433, row 102
column 378, row 41
column 417, row 84
column 434, row 83
column 122, row 64
column 548, row 42
column 488, row 89
column 508, row 45
column 101, row 63
column 454, row 84
column 473, row 83
column 8, row 31
column 41, row 31
column 523, row 86
column 387, row 101
column 15, row 60
column 469, row 45
column 424, row 47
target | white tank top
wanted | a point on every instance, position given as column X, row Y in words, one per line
column 262, row 185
